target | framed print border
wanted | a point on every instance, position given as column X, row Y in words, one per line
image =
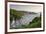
column 6, row 1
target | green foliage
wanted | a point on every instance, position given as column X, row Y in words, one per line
column 15, row 14
column 36, row 22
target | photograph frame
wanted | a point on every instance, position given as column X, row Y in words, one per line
column 24, row 2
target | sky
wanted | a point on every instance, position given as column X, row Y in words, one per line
column 29, row 8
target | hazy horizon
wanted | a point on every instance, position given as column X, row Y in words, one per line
column 28, row 8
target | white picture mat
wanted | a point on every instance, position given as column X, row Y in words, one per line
column 17, row 30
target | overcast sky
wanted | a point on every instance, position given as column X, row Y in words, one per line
column 30, row 8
